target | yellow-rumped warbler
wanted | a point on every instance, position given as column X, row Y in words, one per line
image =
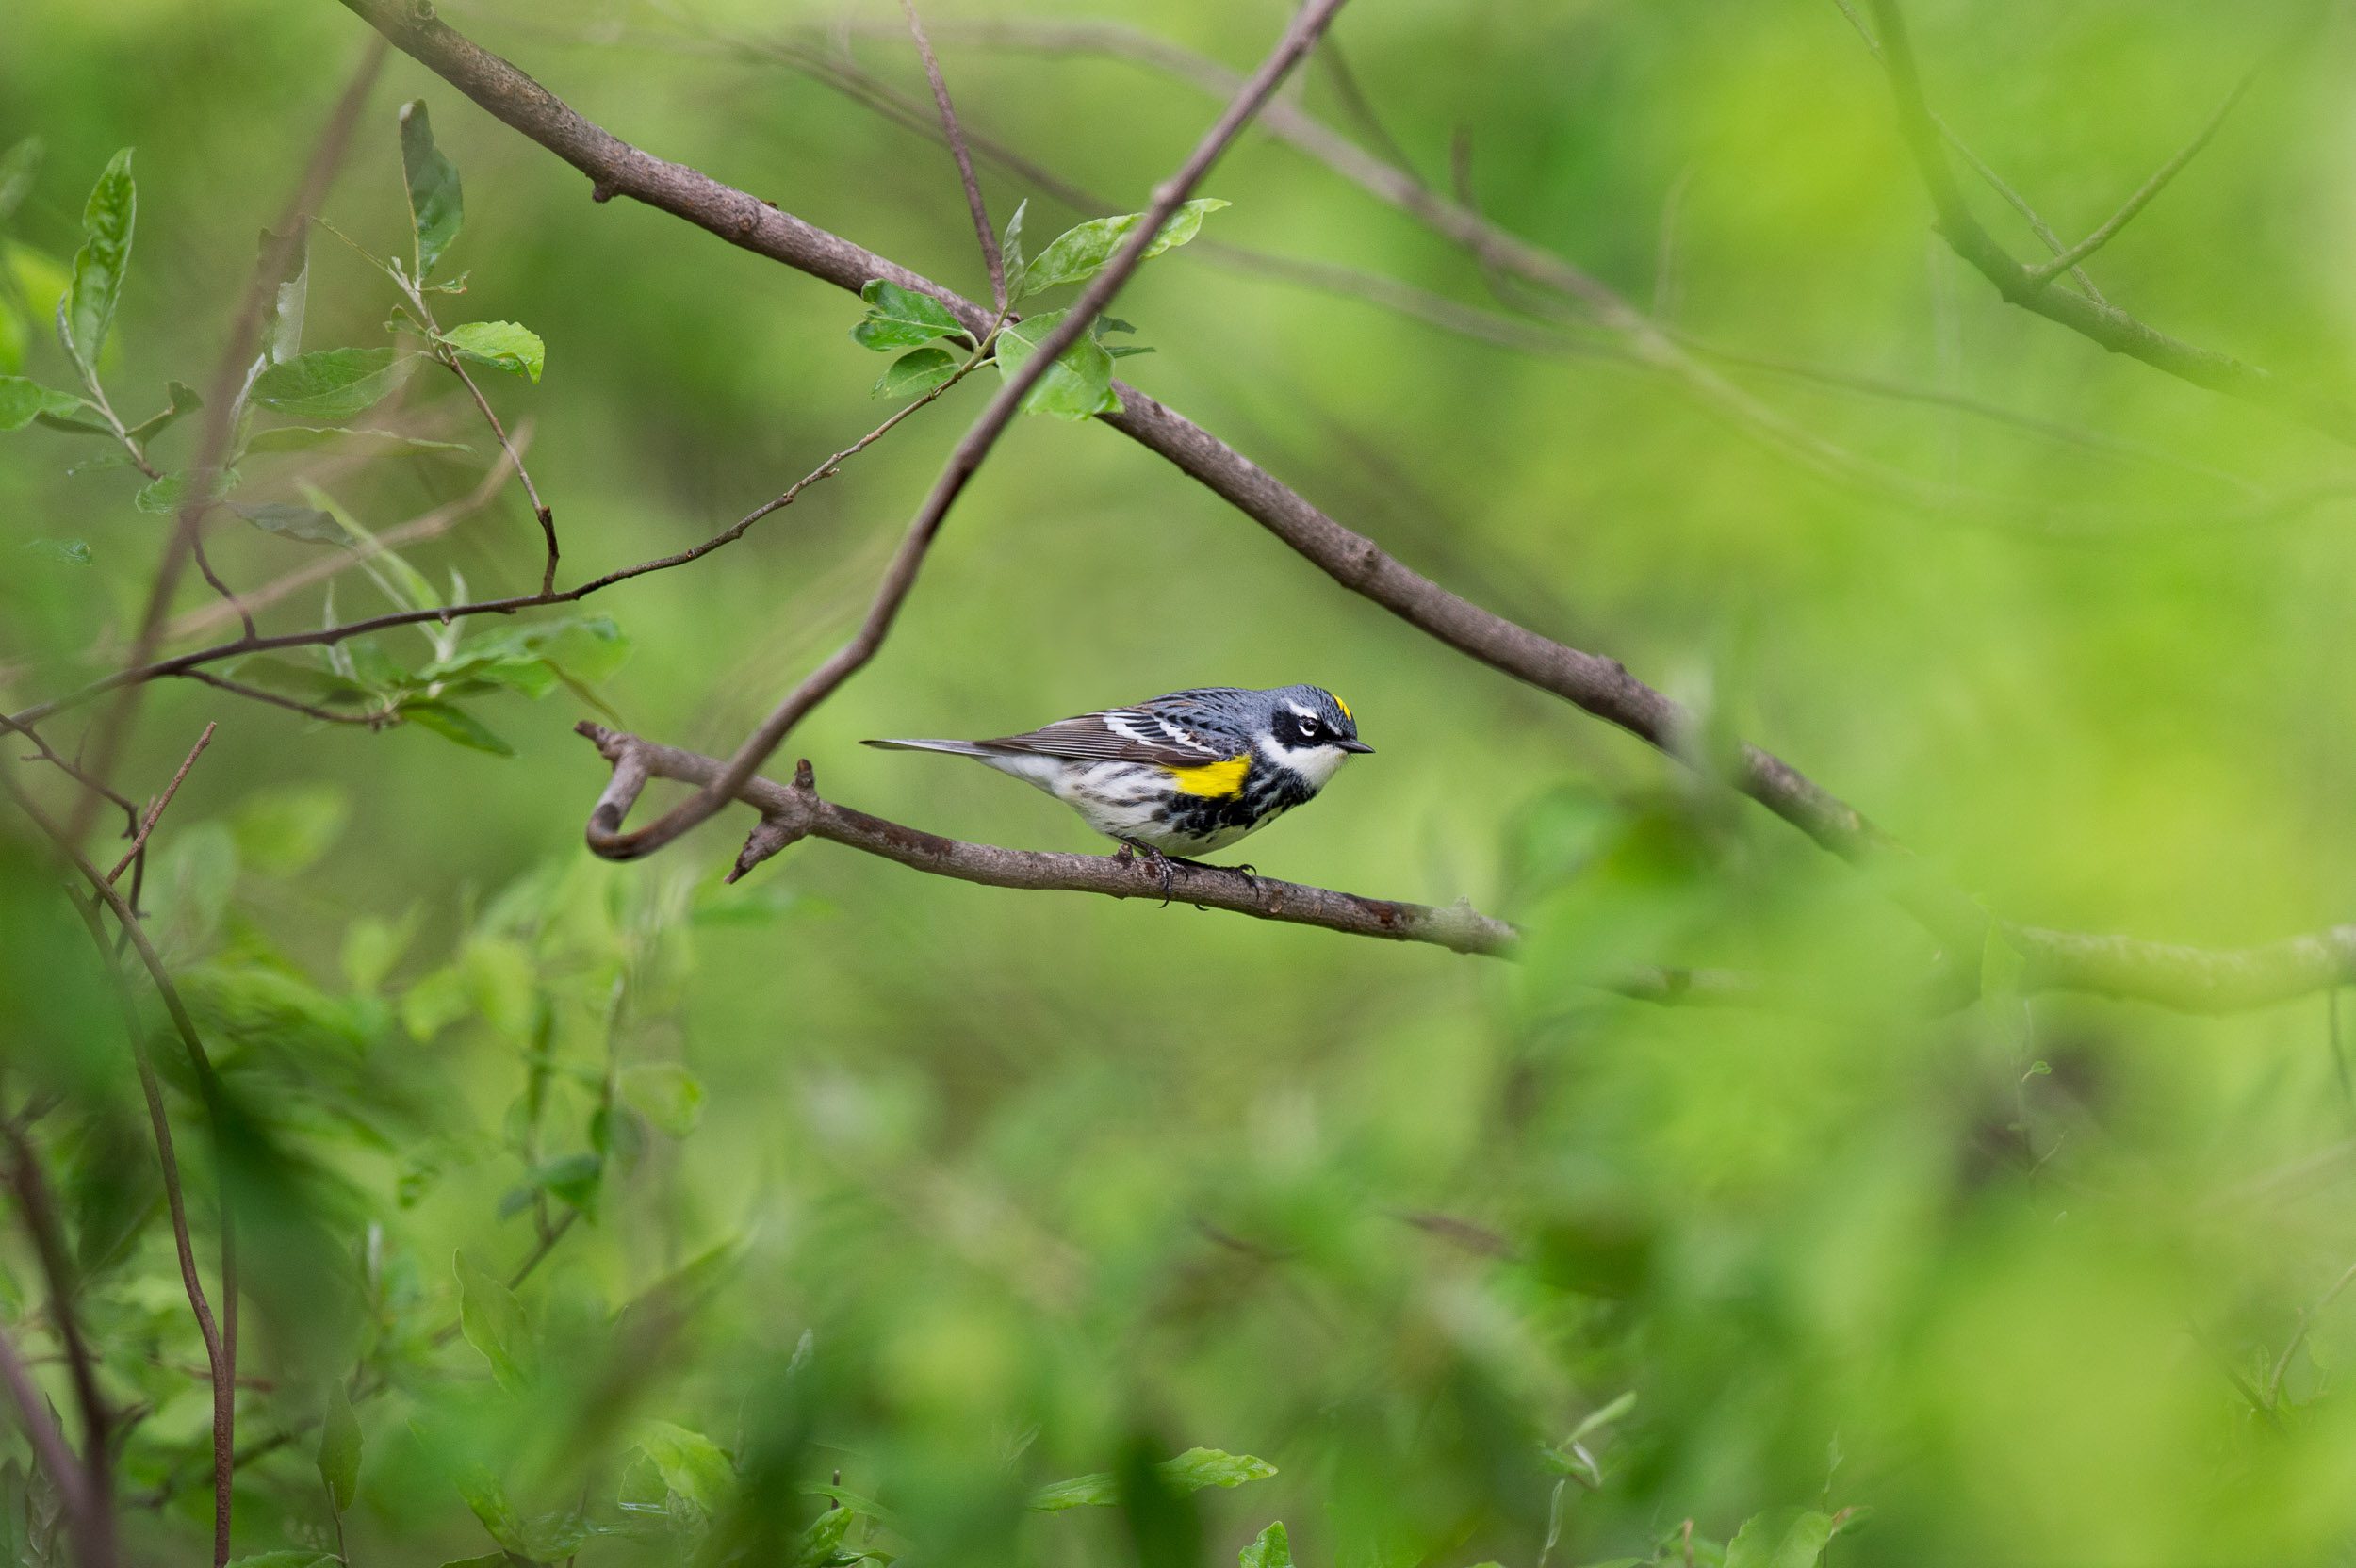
column 1183, row 775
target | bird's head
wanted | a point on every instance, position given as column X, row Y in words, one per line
column 1308, row 729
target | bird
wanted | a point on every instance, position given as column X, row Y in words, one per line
column 1183, row 775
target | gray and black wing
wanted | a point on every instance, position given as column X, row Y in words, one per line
column 1156, row 733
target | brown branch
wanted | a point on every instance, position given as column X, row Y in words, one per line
column 84, row 1519
column 967, row 458
column 147, row 823
column 222, row 404
column 376, row 719
column 2104, row 324
column 956, row 135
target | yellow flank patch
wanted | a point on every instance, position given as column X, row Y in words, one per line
column 1346, row 713
column 1215, row 779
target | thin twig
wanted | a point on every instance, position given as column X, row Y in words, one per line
column 375, row 719
column 2045, row 272
column 2298, row 1336
column 982, row 230
column 147, row 824
column 966, row 459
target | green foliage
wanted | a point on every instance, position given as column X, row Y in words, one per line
column 1077, row 386
column 495, row 1324
column 1270, row 1548
column 1081, row 252
column 436, row 204
column 1190, row 1472
column 333, row 384
column 901, row 318
column 500, row 343
column 339, row 1450
column 21, row 401
column 107, row 222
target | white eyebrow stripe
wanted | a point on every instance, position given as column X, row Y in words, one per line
column 1304, row 712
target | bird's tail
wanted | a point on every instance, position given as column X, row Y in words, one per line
column 954, row 748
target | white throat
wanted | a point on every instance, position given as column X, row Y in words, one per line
column 1315, row 763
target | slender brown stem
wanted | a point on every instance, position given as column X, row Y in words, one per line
column 147, row 823
column 982, row 230
column 374, row 720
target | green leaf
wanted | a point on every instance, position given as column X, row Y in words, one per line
column 857, row 1502
column 167, row 495
column 289, row 297
column 1780, row 1538
column 575, row 1178
column 826, row 1534
column 436, row 205
column 18, row 166
column 1190, row 1472
column 70, row 552
column 339, row 1448
column 488, row 1498
column 455, row 724
column 1081, row 252
column 1598, row 1420
column 290, row 521
column 284, row 829
column 917, row 372
column 665, row 1094
column 332, row 384
column 502, row 345
column 371, row 947
column 1272, row 1550
column 1077, row 386
column 488, row 1559
column 494, row 1323
column 107, row 221
column 22, row 402
column 692, row 1464
column 902, row 319
column 182, row 398
column 1010, row 252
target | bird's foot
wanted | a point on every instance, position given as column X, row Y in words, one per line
column 1131, row 849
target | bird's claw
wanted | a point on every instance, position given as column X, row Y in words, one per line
column 1129, row 850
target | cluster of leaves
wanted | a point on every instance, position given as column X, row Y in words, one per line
column 1079, row 384
column 292, row 402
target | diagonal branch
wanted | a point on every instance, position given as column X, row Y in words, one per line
column 967, row 458
column 84, row 1520
column 147, row 823
column 956, row 135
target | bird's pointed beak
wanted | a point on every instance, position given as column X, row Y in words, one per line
column 1355, row 745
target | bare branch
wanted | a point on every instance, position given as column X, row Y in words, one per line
column 966, row 460
column 982, row 230
column 147, row 823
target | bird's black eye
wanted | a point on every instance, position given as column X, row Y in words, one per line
column 1308, row 727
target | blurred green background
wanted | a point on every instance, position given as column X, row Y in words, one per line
column 957, row 1192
